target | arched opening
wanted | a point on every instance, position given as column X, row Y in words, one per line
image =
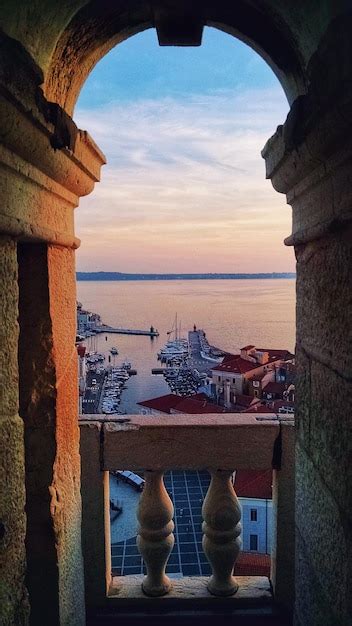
column 183, row 191
column 180, row 162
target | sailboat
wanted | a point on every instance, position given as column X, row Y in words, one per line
column 177, row 347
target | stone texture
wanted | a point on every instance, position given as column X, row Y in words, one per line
column 282, row 556
column 37, row 409
column 327, row 535
column 324, row 293
column 313, row 607
column 14, row 607
column 253, row 591
column 13, row 595
column 65, row 505
column 190, row 442
column 8, row 327
column 95, row 531
column 48, row 405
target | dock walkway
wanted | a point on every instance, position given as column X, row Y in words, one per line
column 198, row 361
column 127, row 331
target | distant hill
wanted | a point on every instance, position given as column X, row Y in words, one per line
column 122, row 276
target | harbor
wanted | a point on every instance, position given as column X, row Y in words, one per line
column 188, row 362
column 106, row 388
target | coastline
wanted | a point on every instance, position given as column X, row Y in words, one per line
column 119, row 276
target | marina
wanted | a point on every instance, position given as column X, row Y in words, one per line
column 188, row 362
column 104, row 384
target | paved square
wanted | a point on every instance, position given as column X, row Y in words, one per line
column 187, row 491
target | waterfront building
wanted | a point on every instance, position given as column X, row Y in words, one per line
column 86, row 320
column 246, row 373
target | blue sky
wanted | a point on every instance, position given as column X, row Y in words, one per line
column 184, row 188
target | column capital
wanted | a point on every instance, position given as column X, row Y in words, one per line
column 309, row 158
column 46, row 163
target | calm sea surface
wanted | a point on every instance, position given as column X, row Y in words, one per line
column 233, row 313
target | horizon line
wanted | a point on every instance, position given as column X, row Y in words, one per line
column 112, row 275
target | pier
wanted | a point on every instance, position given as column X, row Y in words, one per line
column 127, row 331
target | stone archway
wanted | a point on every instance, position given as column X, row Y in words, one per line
column 48, row 49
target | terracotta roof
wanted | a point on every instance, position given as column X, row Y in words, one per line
column 247, row 348
column 162, row 403
column 229, row 357
column 253, row 484
column 252, row 564
column 197, row 407
column 193, row 405
column 236, row 366
column 273, row 387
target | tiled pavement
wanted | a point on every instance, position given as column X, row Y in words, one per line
column 187, row 490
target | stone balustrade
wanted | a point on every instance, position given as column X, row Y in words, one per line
column 154, row 445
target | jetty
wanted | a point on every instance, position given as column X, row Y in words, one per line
column 152, row 332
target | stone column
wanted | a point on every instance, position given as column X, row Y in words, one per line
column 310, row 159
column 14, row 608
column 46, row 164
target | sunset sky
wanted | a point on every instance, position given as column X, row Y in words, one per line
column 184, row 189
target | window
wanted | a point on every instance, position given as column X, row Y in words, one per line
column 253, row 515
column 255, row 383
column 253, row 542
column 256, row 393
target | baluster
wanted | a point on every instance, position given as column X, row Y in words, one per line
column 155, row 539
column 221, row 543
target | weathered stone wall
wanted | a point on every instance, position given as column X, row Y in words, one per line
column 65, row 503
column 13, row 596
column 310, row 159
column 46, row 164
column 324, row 443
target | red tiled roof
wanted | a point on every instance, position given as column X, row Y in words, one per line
column 253, row 484
column 252, row 564
column 236, row 366
column 162, row 403
column 193, row 405
column 229, row 357
column 197, row 407
column 247, row 348
column 274, row 387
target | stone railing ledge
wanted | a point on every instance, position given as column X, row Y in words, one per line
column 253, row 591
column 229, row 441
